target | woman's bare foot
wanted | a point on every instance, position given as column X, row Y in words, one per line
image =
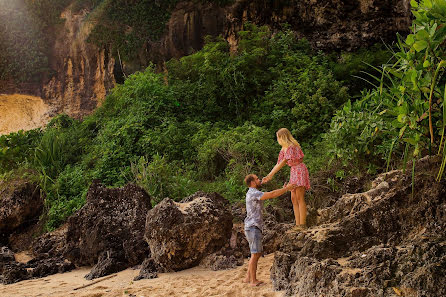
column 256, row 283
column 246, row 280
column 299, row 228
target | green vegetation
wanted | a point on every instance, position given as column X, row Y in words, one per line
column 212, row 118
column 403, row 116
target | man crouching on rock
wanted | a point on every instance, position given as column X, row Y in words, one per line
column 254, row 222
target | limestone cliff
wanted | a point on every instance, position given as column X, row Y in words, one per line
column 84, row 73
column 81, row 73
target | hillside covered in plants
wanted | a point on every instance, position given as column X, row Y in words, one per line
column 211, row 117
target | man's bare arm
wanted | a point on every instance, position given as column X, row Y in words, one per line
column 278, row 192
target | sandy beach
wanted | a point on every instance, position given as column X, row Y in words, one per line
column 192, row 282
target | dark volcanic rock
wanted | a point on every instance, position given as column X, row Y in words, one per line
column 328, row 25
column 375, row 243
column 48, row 252
column 10, row 270
column 50, row 245
column 110, row 223
column 109, row 262
column 220, row 261
column 13, row 272
column 181, row 234
column 149, row 270
column 20, row 204
column 45, row 267
column 6, row 256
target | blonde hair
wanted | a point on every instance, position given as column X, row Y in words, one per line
column 285, row 138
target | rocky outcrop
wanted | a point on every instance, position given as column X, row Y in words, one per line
column 383, row 242
column 21, row 204
column 108, row 230
column 81, row 73
column 328, row 25
column 84, row 73
column 181, row 234
column 10, row 270
column 148, row 270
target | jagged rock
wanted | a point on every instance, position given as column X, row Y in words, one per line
column 49, row 266
column 149, row 270
column 238, row 242
column 181, row 234
column 21, row 203
column 108, row 263
column 13, row 272
column 219, row 261
column 374, row 243
column 10, row 270
column 50, row 245
column 6, row 257
column 333, row 25
column 112, row 221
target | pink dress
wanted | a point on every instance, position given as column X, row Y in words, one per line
column 299, row 172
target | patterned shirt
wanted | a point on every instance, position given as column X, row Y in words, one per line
column 254, row 208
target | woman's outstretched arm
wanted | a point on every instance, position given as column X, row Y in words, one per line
column 274, row 171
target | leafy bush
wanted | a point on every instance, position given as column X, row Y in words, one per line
column 162, row 178
column 17, row 148
column 208, row 125
column 406, row 107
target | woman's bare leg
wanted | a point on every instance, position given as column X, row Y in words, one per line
column 302, row 206
column 294, row 200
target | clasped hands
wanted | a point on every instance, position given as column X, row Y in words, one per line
column 289, row 187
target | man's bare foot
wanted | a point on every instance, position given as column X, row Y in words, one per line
column 246, row 280
column 256, row 283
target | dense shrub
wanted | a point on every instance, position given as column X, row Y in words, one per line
column 17, row 149
column 405, row 114
column 205, row 125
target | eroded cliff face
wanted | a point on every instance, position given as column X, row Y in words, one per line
column 328, row 25
column 81, row 76
column 83, row 73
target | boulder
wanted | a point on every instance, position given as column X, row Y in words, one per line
column 21, row 203
column 10, row 270
column 383, row 242
column 48, row 266
column 109, row 262
column 109, row 228
column 149, row 269
column 181, row 234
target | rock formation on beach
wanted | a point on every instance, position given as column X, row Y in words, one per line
column 108, row 230
column 181, row 234
column 383, row 242
column 21, row 203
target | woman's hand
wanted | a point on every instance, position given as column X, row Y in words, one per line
column 266, row 179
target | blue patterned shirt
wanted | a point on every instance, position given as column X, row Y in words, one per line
column 254, row 208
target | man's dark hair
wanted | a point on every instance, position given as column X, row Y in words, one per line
column 249, row 178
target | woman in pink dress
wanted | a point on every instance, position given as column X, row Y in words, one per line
column 292, row 155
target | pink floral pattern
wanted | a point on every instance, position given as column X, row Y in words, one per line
column 299, row 172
